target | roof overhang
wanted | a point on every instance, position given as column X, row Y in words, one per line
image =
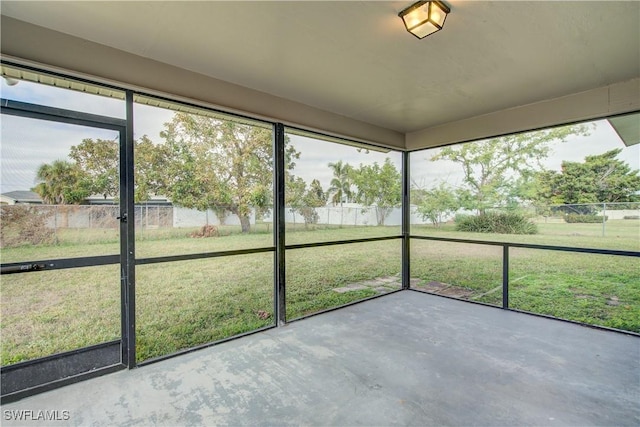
column 628, row 128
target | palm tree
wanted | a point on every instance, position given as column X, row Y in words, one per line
column 61, row 182
column 340, row 185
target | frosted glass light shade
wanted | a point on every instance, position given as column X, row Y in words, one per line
column 424, row 17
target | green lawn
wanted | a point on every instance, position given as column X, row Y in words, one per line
column 597, row 289
column 619, row 234
column 186, row 303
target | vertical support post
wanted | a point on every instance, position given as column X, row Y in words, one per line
column 279, row 294
column 406, row 222
column 604, row 218
column 505, row 276
column 127, row 238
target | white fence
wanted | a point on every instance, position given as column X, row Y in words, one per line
column 350, row 214
column 183, row 217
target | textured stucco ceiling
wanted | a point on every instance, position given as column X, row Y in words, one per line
column 356, row 59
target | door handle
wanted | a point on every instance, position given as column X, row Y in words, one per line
column 21, row 268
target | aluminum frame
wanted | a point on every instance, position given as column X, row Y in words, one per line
column 53, row 371
column 505, row 264
column 128, row 260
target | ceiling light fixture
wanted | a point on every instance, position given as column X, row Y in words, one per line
column 10, row 81
column 424, row 17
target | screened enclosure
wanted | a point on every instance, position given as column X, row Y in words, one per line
column 137, row 227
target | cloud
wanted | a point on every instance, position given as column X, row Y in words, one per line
column 28, row 143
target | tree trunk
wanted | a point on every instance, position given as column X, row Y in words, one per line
column 245, row 223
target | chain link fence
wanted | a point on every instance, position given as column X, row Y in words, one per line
column 41, row 224
column 45, row 224
column 614, row 211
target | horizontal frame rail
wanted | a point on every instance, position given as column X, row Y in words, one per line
column 34, row 111
column 203, row 346
column 505, row 269
column 203, row 255
column 25, row 378
column 64, row 263
column 341, row 242
column 58, row 264
column 533, row 246
column 531, row 313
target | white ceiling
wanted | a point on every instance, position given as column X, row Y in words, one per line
column 354, row 58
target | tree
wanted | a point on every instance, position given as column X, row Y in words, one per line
column 314, row 198
column 99, row 160
column 150, row 168
column 62, row 183
column 340, row 185
column 213, row 163
column 491, row 167
column 379, row 186
column 295, row 188
column 601, row 178
column 435, row 204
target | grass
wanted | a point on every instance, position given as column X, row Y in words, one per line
column 596, row 289
column 619, row 234
column 200, row 301
column 186, row 303
column 52, row 311
column 313, row 273
column 473, row 268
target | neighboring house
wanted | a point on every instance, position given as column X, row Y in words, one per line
column 20, row 197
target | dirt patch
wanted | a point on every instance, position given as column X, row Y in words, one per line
column 381, row 285
column 446, row 289
column 387, row 284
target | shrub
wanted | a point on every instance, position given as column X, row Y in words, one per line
column 631, row 217
column 310, row 215
column 581, row 218
column 23, row 224
column 493, row 222
column 461, row 218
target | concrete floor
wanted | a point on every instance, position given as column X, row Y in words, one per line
column 403, row 359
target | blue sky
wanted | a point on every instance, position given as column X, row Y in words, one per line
column 26, row 144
